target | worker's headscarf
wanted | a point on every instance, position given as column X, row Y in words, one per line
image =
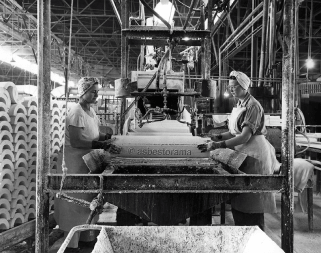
column 241, row 78
column 85, row 83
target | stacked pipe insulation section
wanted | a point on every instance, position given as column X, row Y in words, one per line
column 18, row 152
column 57, row 133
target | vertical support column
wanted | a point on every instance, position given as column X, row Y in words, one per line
column 124, row 55
column 288, row 80
column 297, row 96
column 43, row 118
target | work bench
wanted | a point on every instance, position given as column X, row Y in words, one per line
column 166, row 191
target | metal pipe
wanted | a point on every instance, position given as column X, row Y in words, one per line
column 242, row 32
column 267, row 49
column 288, row 135
column 254, row 56
column 272, row 37
column 189, row 14
column 263, row 45
column 43, row 125
column 116, row 11
column 238, row 29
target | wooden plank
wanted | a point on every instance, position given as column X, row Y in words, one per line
column 209, row 183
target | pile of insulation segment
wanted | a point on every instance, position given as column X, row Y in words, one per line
column 18, row 154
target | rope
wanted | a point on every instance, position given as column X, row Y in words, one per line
column 64, row 167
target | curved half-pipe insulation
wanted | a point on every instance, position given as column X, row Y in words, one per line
column 20, row 190
column 5, row 144
column 32, row 187
column 6, row 164
column 4, row 116
column 21, row 162
column 19, row 117
column 21, row 181
column 21, row 144
column 30, row 101
column 32, row 153
column 21, row 171
column 6, row 174
column 32, row 144
column 20, row 126
column 19, row 208
column 5, row 194
column 6, row 135
column 32, row 127
column 4, row 203
column 17, row 108
column 55, row 119
column 7, row 154
column 31, row 197
column 31, row 204
column 22, row 153
column 55, row 111
column 5, row 99
column 30, row 214
column 32, row 179
column 19, row 200
column 18, row 219
column 32, row 171
column 32, row 163
column 3, row 107
column 4, row 214
column 32, row 136
column 12, row 90
column 55, row 135
column 55, row 127
column 5, row 125
column 32, row 110
column 6, row 183
column 4, row 224
column 19, row 136
column 31, row 119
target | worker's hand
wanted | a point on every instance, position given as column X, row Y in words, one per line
column 114, row 149
column 211, row 145
column 106, row 145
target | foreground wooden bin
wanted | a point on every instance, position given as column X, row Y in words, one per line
column 218, row 239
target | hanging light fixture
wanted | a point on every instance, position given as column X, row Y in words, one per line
column 309, row 63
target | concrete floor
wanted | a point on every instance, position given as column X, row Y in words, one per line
column 304, row 241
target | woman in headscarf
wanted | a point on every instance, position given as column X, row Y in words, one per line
column 81, row 136
column 247, row 135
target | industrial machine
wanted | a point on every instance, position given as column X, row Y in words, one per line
column 160, row 175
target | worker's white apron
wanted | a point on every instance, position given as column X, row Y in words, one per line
column 68, row 215
column 265, row 164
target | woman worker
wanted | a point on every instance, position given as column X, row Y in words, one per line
column 247, row 135
column 82, row 135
